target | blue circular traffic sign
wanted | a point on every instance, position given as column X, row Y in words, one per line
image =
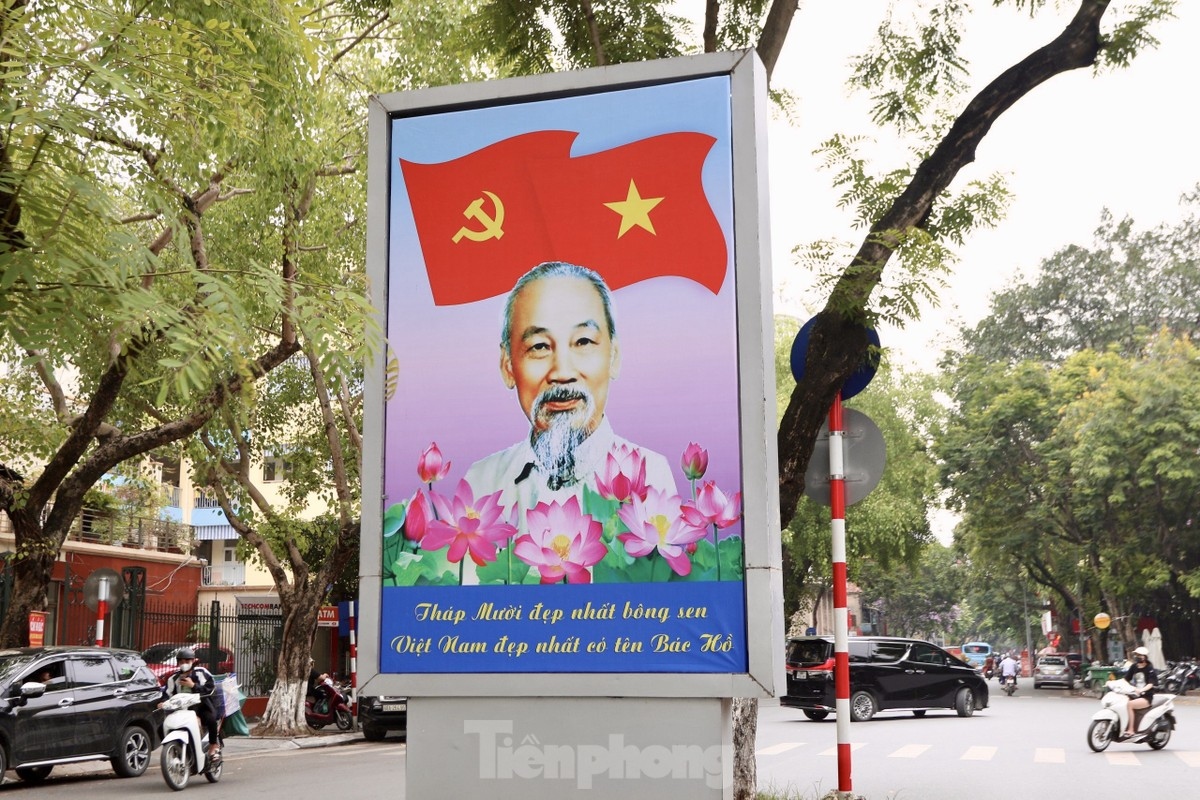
column 857, row 381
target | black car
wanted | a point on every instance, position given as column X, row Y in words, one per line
column 378, row 715
column 61, row 705
column 886, row 674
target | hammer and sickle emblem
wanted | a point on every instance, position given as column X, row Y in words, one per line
column 492, row 226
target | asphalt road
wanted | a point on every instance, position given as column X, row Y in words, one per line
column 1031, row 745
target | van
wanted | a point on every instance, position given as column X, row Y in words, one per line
column 887, row 673
column 976, row 653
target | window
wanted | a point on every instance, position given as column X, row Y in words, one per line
column 924, row 654
column 92, row 671
column 888, row 652
column 276, row 469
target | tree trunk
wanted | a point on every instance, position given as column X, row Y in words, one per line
column 284, row 715
column 745, row 732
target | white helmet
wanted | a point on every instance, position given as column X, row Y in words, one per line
column 1141, row 651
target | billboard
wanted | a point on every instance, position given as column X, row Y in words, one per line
column 571, row 421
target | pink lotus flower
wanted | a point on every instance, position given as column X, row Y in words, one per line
column 712, row 507
column 429, row 466
column 656, row 523
column 561, row 542
column 468, row 526
column 694, row 462
column 419, row 514
column 623, row 475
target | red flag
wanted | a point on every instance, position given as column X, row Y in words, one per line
column 630, row 213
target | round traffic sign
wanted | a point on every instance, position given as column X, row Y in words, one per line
column 858, row 380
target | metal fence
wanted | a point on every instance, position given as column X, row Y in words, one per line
column 253, row 640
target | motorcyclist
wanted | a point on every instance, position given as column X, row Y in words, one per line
column 1144, row 678
column 191, row 678
column 1008, row 668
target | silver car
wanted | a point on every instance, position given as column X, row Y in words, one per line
column 1053, row 670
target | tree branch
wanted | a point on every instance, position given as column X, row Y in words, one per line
column 838, row 345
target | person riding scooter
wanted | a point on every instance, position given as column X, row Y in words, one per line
column 1008, row 669
column 192, row 678
column 1144, row 676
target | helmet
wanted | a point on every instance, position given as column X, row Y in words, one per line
column 185, row 652
column 1141, row 651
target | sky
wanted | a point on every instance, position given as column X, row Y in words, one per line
column 1073, row 147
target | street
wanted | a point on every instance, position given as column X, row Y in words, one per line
column 1031, row 745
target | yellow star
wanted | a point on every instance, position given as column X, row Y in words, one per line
column 634, row 210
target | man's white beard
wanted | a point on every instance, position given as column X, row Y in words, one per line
column 554, row 447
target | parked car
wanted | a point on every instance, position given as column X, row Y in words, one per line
column 1053, row 670
column 62, row 705
column 378, row 715
column 160, row 658
column 886, row 674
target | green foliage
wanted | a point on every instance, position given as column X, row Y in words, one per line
column 1071, row 447
column 889, row 525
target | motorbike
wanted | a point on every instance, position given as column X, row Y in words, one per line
column 1009, row 684
column 330, row 705
column 185, row 744
column 1184, row 676
column 1153, row 725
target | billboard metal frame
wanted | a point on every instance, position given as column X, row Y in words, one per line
column 756, row 374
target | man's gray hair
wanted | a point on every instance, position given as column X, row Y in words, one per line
column 556, row 269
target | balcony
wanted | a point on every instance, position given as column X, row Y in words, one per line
column 224, row 575
column 142, row 533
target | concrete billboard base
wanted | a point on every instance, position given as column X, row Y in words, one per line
column 569, row 747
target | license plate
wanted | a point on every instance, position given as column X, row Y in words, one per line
column 395, row 706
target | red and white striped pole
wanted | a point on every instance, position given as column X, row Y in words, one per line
column 353, row 661
column 841, row 619
column 101, row 610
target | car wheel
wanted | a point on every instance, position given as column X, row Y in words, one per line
column 862, row 706
column 33, row 774
column 919, row 712
column 175, row 767
column 964, row 702
column 1099, row 735
column 133, row 753
column 373, row 734
column 815, row 715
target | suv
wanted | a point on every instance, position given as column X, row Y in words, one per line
column 160, row 658
column 886, row 674
column 1053, row 670
column 378, row 715
column 62, row 705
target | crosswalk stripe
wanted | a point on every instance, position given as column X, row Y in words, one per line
column 1123, row 759
column 909, row 751
column 833, row 750
column 979, row 753
column 1049, row 755
column 1189, row 757
column 776, row 749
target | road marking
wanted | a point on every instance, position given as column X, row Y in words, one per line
column 909, row 751
column 833, row 750
column 1049, row 755
column 979, row 753
column 776, row 749
column 1123, row 759
column 1189, row 757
